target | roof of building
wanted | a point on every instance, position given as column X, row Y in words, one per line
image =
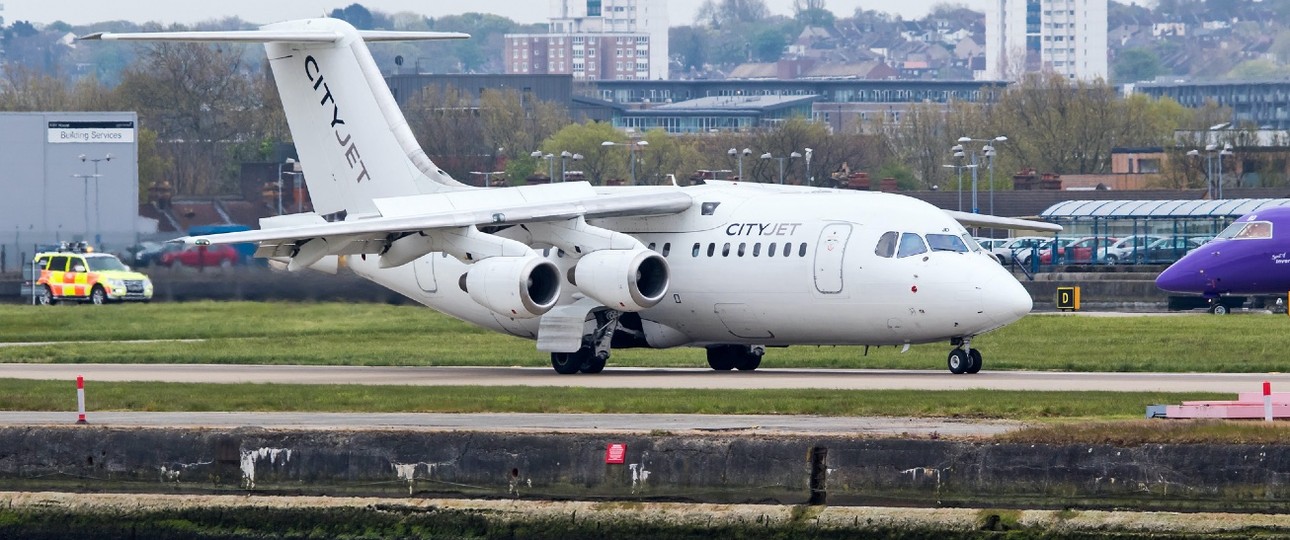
column 728, row 104
column 1139, row 209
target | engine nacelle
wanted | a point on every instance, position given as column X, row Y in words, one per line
column 623, row 279
column 518, row 287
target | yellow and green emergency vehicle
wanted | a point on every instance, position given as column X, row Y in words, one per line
column 72, row 274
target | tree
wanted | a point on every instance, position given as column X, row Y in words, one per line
column 599, row 163
column 1136, row 65
column 356, row 15
column 812, row 13
column 719, row 13
column 200, row 101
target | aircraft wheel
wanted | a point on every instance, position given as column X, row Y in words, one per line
column 747, row 360
column 974, row 357
column 959, row 361
column 1219, row 309
column 566, row 363
column 593, row 363
column 720, row 358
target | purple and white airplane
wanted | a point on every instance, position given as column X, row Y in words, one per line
column 1250, row 257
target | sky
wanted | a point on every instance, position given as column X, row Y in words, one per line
column 680, row 12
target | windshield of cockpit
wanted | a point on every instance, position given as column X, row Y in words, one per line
column 909, row 244
column 1247, row 230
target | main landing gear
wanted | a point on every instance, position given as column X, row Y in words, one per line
column 740, row 357
column 963, row 358
column 594, row 353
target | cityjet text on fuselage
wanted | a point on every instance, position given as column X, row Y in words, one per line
column 350, row 147
column 762, row 229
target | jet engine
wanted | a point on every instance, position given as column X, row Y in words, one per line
column 623, row 279
column 518, row 287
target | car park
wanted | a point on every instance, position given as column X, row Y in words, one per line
column 1020, row 247
column 1124, row 250
column 1168, row 250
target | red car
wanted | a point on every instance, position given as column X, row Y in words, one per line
column 1079, row 251
column 201, row 256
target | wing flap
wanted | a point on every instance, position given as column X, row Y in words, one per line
column 996, row 222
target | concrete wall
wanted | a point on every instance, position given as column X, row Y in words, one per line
column 712, row 468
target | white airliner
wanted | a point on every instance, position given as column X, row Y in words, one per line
column 732, row 267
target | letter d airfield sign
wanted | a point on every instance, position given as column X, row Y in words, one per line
column 1068, row 298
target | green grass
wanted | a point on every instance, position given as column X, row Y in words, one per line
column 377, row 334
column 26, row 395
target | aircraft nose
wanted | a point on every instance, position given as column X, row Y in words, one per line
column 1006, row 300
column 1182, row 276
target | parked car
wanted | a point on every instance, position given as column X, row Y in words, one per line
column 1168, row 250
column 147, row 253
column 1016, row 248
column 1079, row 251
column 1024, row 256
column 1124, row 250
column 202, row 256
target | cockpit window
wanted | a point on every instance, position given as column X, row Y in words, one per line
column 886, row 244
column 946, row 242
column 972, row 244
column 911, row 244
column 1248, row 230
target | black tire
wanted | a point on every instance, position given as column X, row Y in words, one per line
column 974, row 366
column 593, row 363
column 720, row 359
column 1219, row 309
column 1112, row 260
column 747, row 361
column 958, row 361
column 46, row 297
column 566, row 363
column 98, row 296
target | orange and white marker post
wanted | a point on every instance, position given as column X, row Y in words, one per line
column 1267, row 401
column 80, row 400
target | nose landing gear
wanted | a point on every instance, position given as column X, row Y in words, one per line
column 963, row 358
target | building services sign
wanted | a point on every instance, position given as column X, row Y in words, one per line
column 91, row 132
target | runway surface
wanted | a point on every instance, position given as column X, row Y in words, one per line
column 842, row 379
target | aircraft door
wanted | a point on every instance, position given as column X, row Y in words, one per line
column 424, row 269
column 829, row 255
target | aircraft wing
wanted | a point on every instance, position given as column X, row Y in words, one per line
column 283, row 235
column 996, row 222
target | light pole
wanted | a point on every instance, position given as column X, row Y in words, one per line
column 959, row 153
column 1209, row 167
column 781, row 162
column 290, row 162
column 86, row 185
column 809, row 179
column 988, row 152
column 740, row 157
column 564, row 157
column 631, row 153
column 550, row 163
column 1225, row 151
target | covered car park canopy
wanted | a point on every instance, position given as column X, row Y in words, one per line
column 1191, row 218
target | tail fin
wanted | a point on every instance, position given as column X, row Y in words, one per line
column 353, row 140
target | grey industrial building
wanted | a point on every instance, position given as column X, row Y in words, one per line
column 59, row 184
column 1264, row 104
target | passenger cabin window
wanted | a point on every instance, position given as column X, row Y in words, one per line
column 725, row 250
column 801, row 250
column 741, row 249
column 650, row 246
column 946, row 242
column 911, row 244
column 770, row 249
column 695, row 251
column 667, row 248
column 757, row 249
column 712, row 248
column 788, row 248
column 886, row 244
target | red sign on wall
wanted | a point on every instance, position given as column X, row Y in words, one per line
column 615, row 453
